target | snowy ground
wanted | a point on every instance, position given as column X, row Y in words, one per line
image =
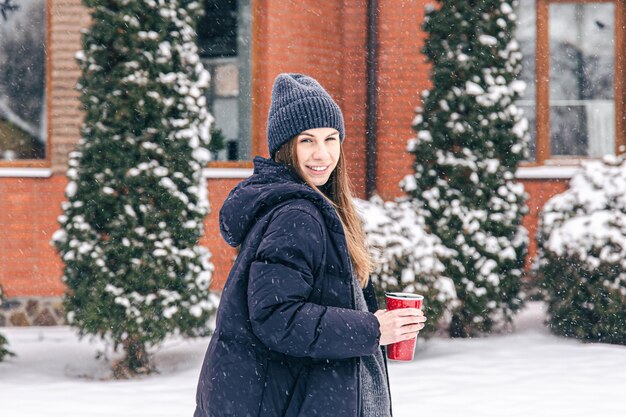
column 526, row 373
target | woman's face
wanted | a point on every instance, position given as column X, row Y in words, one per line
column 318, row 152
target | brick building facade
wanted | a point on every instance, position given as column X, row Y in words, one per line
column 345, row 44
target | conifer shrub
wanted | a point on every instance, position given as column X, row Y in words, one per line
column 136, row 197
column 470, row 137
column 581, row 261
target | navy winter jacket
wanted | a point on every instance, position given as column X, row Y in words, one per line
column 288, row 339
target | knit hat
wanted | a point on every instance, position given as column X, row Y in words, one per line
column 299, row 103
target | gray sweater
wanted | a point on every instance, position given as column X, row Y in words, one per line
column 375, row 399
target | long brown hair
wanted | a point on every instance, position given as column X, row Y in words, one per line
column 341, row 200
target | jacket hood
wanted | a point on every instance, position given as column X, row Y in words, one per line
column 271, row 184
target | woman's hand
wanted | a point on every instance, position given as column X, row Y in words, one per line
column 398, row 325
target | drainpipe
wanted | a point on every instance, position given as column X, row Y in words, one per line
column 372, row 98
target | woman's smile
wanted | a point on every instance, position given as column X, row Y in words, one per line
column 318, row 169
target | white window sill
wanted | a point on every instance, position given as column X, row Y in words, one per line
column 546, row 172
column 214, row 173
column 26, row 172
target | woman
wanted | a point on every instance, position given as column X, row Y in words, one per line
column 298, row 332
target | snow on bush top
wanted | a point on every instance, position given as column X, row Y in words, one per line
column 397, row 237
column 588, row 221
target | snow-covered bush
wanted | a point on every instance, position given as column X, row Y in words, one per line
column 136, row 198
column 581, row 260
column 470, row 137
column 407, row 258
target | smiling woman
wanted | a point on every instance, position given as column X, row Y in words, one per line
column 298, row 323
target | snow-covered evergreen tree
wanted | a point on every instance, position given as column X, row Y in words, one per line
column 4, row 351
column 136, row 197
column 407, row 258
column 581, row 261
column 470, row 138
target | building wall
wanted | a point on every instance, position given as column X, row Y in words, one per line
column 304, row 36
column 539, row 191
column 403, row 73
column 30, row 206
column 222, row 254
column 326, row 40
column 67, row 18
column 353, row 74
column 28, row 211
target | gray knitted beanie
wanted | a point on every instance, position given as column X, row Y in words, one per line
column 299, row 103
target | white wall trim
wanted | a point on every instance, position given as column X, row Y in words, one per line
column 26, row 172
column 227, row 172
column 546, row 172
column 540, row 172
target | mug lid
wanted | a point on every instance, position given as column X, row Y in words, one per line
column 404, row 295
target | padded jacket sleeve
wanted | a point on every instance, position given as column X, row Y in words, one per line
column 281, row 279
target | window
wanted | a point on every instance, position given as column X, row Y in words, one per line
column 23, row 132
column 224, row 35
column 573, row 66
column 217, row 29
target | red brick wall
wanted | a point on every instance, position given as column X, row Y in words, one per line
column 28, row 211
column 403, row 73
column 30, row 266
column 67, row 18
column 222, row 254
column 29, row 206
column 326, row 40
column 539, row 192
column 292, row 37
column 353, row 70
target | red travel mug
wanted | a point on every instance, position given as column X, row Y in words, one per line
column 402, row 351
